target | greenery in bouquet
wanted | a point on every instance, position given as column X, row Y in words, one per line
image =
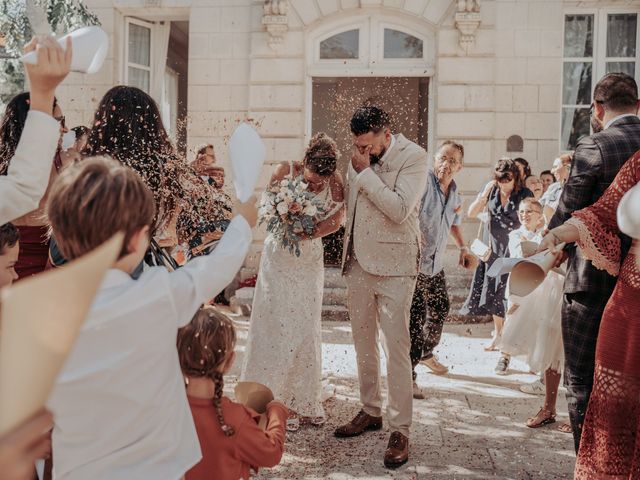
column 289, row 210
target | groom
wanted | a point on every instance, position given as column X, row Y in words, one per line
column 386, row 180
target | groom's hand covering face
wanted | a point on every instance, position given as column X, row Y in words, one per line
column 360, row 158
column 370, row 145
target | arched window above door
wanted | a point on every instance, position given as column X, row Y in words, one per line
column 343, row 45
column 399, row 44
column 373, row 44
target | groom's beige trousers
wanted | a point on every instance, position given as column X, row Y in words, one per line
column 379, row 301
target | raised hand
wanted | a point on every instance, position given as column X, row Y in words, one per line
column 360, row 161
column 488, row 188
column 248, row 210
column 49, row 71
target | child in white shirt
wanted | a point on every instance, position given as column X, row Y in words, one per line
column 531, row 223
column 514, row 339
column 120, row 406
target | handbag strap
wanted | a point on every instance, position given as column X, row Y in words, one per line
column 479, row 230
column 161, row 257
column 479, row 235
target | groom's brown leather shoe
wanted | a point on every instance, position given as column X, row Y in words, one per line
column 397, row 452
column 360, row 424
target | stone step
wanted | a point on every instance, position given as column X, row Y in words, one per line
column 333, row 278
column 335, row 313
column 241, row 303
column 338, row 296
column 247, row 273
column 334, row 296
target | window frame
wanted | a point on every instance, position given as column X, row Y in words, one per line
column 341, row 60
column 379, row 45
column 127, row 63
column 598, row 59
column 370, row 61
column 602, row 46
column 363, row 45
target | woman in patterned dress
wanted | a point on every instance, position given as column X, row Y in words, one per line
column 610, row 444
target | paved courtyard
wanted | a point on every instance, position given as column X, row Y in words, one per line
column 471, row 426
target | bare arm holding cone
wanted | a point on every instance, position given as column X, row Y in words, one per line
column 558, row 236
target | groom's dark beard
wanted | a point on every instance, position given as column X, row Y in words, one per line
column 373, row 159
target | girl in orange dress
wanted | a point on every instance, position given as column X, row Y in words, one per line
column 231, row 441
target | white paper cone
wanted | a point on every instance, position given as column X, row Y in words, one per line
column 528, row 248
column 629, row 212
column 68, row 139
column 253, row 395
column 41, row 318
column 531, row 272
column 90, row 46
column 247, row 154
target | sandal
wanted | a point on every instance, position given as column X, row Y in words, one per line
column 317, row 421
column 293, row 424
column 547, row 418
column 493, row 346
column 565, row 428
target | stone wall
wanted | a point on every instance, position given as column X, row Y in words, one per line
column 507, row 83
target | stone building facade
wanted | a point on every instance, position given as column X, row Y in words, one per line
column 478, row 71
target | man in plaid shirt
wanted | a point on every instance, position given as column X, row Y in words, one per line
column 596, row 161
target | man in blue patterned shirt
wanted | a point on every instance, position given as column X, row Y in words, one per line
column 439, row 216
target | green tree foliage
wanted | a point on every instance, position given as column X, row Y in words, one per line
column 63, row 16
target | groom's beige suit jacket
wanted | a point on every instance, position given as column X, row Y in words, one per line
column 382, row 227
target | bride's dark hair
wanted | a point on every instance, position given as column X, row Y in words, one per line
column 322, row 155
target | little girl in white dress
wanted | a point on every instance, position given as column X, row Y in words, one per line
column 533, row 325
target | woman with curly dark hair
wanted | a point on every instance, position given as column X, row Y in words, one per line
column 287, row 303
column 127, row 126
column 33, row 227
column 501, row 197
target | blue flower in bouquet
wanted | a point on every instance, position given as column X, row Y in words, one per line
column 289, row 210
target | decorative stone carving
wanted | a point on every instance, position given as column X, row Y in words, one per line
column 275, row 19
column 467, row 21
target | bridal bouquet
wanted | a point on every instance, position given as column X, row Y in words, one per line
column 289, row 210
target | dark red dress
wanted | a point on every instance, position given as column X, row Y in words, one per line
column 610, row 444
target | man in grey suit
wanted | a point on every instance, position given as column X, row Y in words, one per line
column 386, row 179
column 596, row 161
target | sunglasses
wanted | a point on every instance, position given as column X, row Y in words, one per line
column 505, row 179
column 60, row 120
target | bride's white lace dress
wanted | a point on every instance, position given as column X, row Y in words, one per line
column 284, row 345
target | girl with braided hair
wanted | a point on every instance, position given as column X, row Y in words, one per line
column 230, row 438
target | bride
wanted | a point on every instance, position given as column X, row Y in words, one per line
column 284, row 346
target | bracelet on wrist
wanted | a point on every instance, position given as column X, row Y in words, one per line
column 556, row 237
